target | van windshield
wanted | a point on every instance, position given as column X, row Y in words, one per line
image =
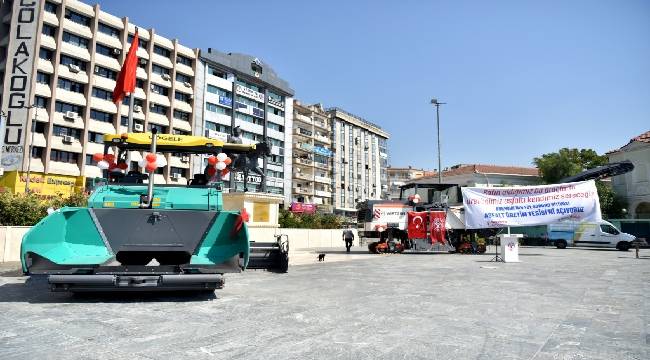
column 608, row 229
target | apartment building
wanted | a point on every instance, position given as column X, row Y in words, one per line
column 59, row 60
column 312, row 156
column 360, row 160
column 238, row 90
column 400, row 176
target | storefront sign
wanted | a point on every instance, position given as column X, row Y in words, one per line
column 302, row 208
column 42, row 184
column 530, row 205
column 243, row 90
column 275, row 102
column 322, row 151
column 17, row 88
column 252, row 179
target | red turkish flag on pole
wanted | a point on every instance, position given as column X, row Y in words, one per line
column 126, row 80
column 417, row 225
column 437, row 221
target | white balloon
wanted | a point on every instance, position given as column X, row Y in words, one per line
column 161, row 161
column 221, row 156
column 142, row 163
column 220, row 165
column 416, row 200
column 103, row 165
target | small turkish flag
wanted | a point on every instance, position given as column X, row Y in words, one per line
column 417, row 227
column 126, row 79
column 437, row 221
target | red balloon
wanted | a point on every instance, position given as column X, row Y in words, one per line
column 228, row 161
column 225, row 172
column 122, row 165
column 211, row 171
column 151, row 157
column 212, row 160
column 151, row 166
column 98, row 157
column 109, row 157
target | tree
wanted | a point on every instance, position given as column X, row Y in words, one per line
column 556, row 166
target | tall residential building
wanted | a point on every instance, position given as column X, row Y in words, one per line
column 239, row 90
column 61, row 58
column 312, row 156
column 400, row 176
column 360, row 161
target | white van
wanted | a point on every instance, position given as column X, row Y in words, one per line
column 591, row 234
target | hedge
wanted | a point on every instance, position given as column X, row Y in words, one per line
column 28, row 209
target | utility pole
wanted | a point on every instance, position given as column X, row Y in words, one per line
column 31, row 144
column 437, row 104
column 2, row 139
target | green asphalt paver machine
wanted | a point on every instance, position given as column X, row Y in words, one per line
column 135, row 235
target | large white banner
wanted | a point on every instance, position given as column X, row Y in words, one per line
column 530, row 205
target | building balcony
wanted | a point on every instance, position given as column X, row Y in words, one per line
column 303, row 118
column 322, row 125
column 303, row 190
column 303, row 146
column 303, row 176
column 321, row 165
column 323, row 139
column 322, row 193
column 322, row 179
column 301, row 161
column 303, row 132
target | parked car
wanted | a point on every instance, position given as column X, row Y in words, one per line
column 591, row 234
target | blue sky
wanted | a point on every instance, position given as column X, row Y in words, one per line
column 521, row 78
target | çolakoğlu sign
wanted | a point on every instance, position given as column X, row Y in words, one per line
column 18, row 80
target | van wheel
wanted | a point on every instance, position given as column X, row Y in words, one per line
column 560, row 244
column 623, row 246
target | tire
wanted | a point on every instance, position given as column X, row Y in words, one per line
column 623, row 246
column 560, row 244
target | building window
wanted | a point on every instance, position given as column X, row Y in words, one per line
column 101, row 116
column 105, row 50
column 181, row 115
column 180, row 59
column 109, row 30
column 76, row 17
column 249, row 102
column 218, row 127
column 216, row 72
column 161, row 129
column 139, row 83
column 45, row 54
column 183, row 78
column 102, row 94
column 275, row 111
column 141, row 42
column 157, row 69
column 218, row 109
column 51, row 7
column 67, row 60
column 75, row 40
column 43, row 78
column 48, row 30
column 252, row 136
column 249, row 119
column 95, row 137
column 158, row 109
column 39, row 127
column 186, row 98
column 89, row 160
column 40, row 101
column 248, row 85
column 176, row 170
column 124, row 121
column 157, row 89
column 127, row 99
column 215, row 90
column 66, row 131
column 71, row 85
column 37, row 152
column 64, row 156
column 161, row 51
column 276, row 159
column 275, row 127
column 276, row 174
column 105, row 73
column 62, row 107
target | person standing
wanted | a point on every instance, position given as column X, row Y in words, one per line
column 348, row 237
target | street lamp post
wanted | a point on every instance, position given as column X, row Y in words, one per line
column 31, row 144
column 437, row 104
column 2, row 138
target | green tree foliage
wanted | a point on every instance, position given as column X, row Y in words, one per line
column 28, row 209
column 287, row 219
column 556, row 166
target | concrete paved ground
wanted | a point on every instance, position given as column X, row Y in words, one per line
column 555, row 304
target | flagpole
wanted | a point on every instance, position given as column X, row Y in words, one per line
column 129, row 129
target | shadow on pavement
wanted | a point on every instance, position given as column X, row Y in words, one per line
column 36, row 291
